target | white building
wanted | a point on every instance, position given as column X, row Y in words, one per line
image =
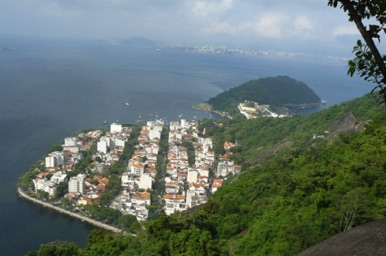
column 58, row 177
column 145, row 181
column 70, row 141
column 104, row 144
column 119, row 141
column 70, row 144
column 46, row 186
column 102, row 147
column 137, row 169
column 54, row 159
column 154, row 134
column 115, row 128
column 224, row 168
column 192, row 176
column 129, row 180
column 174, row 203
column 76, row 184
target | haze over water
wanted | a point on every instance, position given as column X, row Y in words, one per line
column 50, row 89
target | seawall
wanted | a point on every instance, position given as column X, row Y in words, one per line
column 72, row 214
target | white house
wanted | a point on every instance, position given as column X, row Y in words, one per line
column 137, row 169
column 217, row 183
column 173, row 203
column 141, row 198
column 224, row 168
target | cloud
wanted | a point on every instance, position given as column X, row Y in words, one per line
column 212, row 8
column 342, row 30
column 237, row 22
column 270, row 25
column 56, row 10
column 303, row 23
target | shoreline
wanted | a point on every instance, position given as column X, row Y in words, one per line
column 208, row 108
column 93, row 222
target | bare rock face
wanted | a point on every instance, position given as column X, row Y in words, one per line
column 347, row 124
column 365, row 240
column 344, row 125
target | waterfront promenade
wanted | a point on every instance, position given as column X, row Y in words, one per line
column 72, row 214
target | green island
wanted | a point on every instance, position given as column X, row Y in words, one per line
column 264, row 96
column 304, row 178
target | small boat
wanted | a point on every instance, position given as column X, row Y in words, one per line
column 127, row 104
column 105, row 122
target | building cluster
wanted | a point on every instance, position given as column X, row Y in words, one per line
column 190, row 174
column 58, row 163
column 251, row 109
column 225, row 166
column 141, row 172
column 82, row 189
column 187, row 185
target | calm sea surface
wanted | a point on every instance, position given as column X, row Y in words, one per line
column 52, row 89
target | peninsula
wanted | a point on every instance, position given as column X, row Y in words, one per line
column 118, row 178
column 128, row 174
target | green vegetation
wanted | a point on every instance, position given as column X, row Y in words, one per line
column 190, row 149
column 57, row 248
column 278, row 91
column 260, row 138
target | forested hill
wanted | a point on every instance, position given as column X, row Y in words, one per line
column 277, row 91
column 296, row 189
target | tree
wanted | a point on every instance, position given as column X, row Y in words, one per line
column 61, row 189
column 368, row 61
column 129, row 222
column 57, row 248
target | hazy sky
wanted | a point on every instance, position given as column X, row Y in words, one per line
column 276, row 24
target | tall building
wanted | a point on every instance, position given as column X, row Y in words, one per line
column 76, row 184
column 54, row 159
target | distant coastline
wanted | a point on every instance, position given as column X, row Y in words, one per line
column 93, row 222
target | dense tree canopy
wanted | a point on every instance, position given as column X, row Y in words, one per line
column 277, row 91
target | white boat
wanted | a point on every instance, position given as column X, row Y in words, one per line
column 127, row 104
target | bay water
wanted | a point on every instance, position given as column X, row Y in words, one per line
column 50, row 89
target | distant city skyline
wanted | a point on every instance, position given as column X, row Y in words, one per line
column 299, row 25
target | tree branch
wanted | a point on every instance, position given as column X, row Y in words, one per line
column 354, row 16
